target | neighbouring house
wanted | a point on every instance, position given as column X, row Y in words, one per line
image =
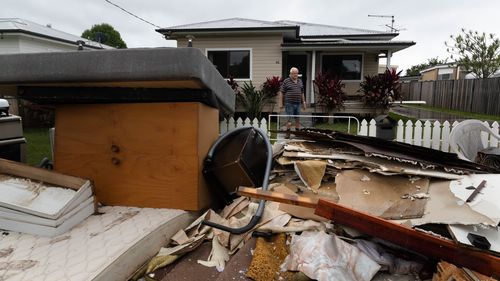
column 251, row 50
column 24, row 36
column 382, row 68
column 449, row 71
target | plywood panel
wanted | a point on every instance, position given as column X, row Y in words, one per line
column 145, row 155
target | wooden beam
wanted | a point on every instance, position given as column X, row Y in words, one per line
column 277, row 197
column 411, row 239
column 406, row 237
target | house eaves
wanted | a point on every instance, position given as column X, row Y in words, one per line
column 441, row 66
column 394, row 46
column 289, row 31
column 381, row 37
column 75, row 43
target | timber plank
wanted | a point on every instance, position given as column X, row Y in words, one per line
column 411, row 239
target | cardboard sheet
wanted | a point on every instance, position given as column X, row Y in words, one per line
column 389, row 197
column 487, row 202
column 311, row 172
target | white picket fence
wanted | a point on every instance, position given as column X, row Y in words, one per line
column 231, row 124
column 433, row 135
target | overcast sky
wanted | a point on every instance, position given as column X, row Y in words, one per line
column 427, row 22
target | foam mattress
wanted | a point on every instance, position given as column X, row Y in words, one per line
column 107, row 246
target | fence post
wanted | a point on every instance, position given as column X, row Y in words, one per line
column 409, row 132
column 417, row 135
column 445, row 145
column 223, row 126
column 494, row 128
column 372, row 130
column 255, row 123
column 239, row 122
column 436, row 135
column 263, row 125
column 399, row 131
column 485, row 137
column 427, row 134
column 231, row 124
column 363, row 130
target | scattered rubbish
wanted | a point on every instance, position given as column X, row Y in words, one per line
column 267, row 258
column 325, row 257
column 447, row 271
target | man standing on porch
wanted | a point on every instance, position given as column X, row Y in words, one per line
column 292, row 93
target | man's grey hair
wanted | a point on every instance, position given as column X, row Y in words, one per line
column 294, row 68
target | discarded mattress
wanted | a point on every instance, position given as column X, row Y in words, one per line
column 107, row 246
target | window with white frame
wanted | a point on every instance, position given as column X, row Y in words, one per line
column 231, row 63
column 344, row 67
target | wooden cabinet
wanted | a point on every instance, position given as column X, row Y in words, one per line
column 138, row 154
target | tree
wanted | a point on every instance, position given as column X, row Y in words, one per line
column 415, row 70
column 477, row 52
column 106, row 34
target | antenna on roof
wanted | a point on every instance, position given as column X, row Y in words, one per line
column 392, row 28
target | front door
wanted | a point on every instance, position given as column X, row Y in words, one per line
column 299, row 61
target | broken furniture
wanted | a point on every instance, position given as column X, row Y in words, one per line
column 138, row 122
column 12, row 141
column 41, row 202
column 466, row 139
column 240, row 157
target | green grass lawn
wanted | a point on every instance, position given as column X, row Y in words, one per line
column 37, row 144
column 337, row 125
column 466, row 115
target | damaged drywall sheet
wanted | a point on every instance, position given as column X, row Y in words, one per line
column 492, row 234
column 444, row 208
column 389, row 197
column 304, row 212
column 324, row 257
column 311, row 172
column 487, row 202
column 377, row 165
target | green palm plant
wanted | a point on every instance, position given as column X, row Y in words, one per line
column 252, row 100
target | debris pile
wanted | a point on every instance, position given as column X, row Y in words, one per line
column 354, row 208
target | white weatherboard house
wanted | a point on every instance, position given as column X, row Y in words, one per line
column 24, row 36
column 249, row 49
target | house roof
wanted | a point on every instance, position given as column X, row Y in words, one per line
column 322, row 30
column 297, row 35
column 17, row 25
column 304, row 29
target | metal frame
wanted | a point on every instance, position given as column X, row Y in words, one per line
column 278, row 116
